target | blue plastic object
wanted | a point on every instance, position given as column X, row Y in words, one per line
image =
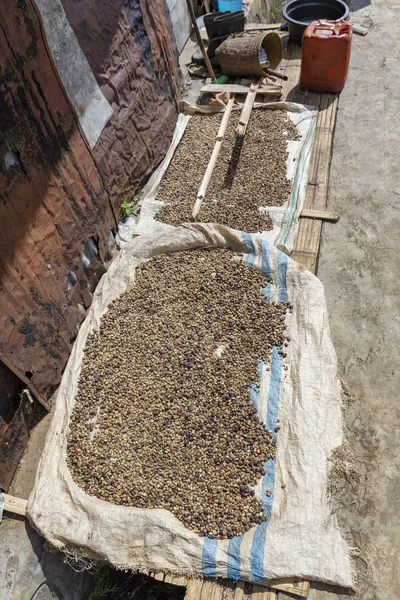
column 232, row 5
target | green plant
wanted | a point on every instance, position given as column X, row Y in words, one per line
column 104, row 585
column 127, row 207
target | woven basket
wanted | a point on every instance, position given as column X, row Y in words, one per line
column 240, row 55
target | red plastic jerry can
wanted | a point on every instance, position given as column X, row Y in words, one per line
column 325, row 56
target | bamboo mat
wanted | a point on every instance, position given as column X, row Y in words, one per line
column 305, row 252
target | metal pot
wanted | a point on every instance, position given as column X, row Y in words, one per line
column 299, row 13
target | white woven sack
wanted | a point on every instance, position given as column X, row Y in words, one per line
column 301, row 538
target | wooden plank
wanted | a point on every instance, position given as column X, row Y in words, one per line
column 269, row 89
column 298, row 587
column 239, row 591
column 261, row 593
column 193, row 590
column 211, row 591
column 198, row 589
column 175, row 580
column 307, row 243
column 309, row 235
column 15, row 505
column 320, row 214
column 157, row 575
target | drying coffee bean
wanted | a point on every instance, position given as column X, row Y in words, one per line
column 250, row 172
column 150, row 432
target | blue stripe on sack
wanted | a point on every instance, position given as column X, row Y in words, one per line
column 266, row 268
column 234, row 558
column 257, row 552
column 248, row 242
column 282, row 272
column 266, row 259
column 209, row 558
column 268, row 481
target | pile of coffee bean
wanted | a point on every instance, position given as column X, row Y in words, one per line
column 162, row 415
column 250, row 172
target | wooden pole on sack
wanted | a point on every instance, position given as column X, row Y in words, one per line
column 210, row 167
column 247, row 108
column 199, row 40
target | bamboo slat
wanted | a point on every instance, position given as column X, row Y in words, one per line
column 247, row 108
column 323, row 215
column 309, row 235
column 261, row 593
column 308, row 238
column 15, row 505
column 210, row 167
column 201, row 589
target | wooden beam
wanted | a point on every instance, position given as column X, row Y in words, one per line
column 320, row 214
column 14, row 505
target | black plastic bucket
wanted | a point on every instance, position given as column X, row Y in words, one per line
column 299, row 13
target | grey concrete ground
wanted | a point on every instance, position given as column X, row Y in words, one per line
column 360, row 269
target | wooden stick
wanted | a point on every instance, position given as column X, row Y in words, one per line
column 261, row 26
column 277, row 74
column 320, row 214
column 247, row 108
column 210, row 167
column 360, row 30
column 199, row 40
column 266, row 90
column 14, row 505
